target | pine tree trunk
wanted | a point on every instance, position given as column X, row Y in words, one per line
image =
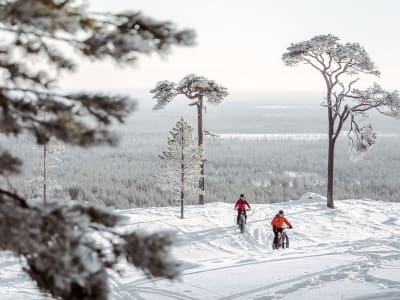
column 182, row 194
column 202, row 193
column 182, row 171
column 331, row 157
column 44, row 173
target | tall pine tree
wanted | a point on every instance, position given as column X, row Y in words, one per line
column 341, row 66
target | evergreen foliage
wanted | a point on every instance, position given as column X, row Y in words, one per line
column 58, row 240
column 191, row 86
column 267, row 171
column 181, row 162
column 195, row 88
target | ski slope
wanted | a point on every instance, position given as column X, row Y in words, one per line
column 351, row 252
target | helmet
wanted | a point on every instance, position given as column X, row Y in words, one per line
column 281, row 212
column 241, row 195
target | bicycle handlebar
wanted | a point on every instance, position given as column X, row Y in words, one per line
column 286, row 227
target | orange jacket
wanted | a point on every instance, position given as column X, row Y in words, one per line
column 279, row 221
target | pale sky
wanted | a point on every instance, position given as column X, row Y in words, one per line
column 240, row 43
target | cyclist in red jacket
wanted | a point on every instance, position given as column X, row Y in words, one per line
column 277, row 225
column 240, row 205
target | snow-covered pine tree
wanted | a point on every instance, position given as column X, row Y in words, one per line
column 341, row 66
column 57, row 240
column 54, row 150
column 195, row 88
column 46, row 184
column 181, row 162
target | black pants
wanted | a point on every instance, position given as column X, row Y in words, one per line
column 276, row 230
column 238, row 216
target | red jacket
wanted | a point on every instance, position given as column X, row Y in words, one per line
column 241, row 204
column 278, row 221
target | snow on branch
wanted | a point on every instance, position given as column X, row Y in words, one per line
column 151, row 253
column 59, row 241
column 334, row 60
column 35, row 30
column 68, row 248
column 192, row 86
column 9, row 164
column 180, row 162
column 73, row 118
column 32, row 56
column 361, row 138
column 327, row 54
column 118, row 36
column 164, row 92
column 387, row 103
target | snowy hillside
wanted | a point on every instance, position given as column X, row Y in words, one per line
column 352, row 252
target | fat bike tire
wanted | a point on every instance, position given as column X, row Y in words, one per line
column 285, row 243
column 242, row 224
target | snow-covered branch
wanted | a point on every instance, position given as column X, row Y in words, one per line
column 181, row 162
column 57, row 240
column 385, row 102
column 62, row 253
column 361, row 138
column 181, row 157
column 118, row 36
column 191, row 86
column 349, row 57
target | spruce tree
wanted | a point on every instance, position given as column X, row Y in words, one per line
column 181, row 162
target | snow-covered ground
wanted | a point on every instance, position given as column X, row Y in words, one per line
column 351, row 252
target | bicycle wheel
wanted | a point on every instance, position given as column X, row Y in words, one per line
column 242, row 223
column 285, row 243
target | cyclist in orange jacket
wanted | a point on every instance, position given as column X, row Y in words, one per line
column 277, row 225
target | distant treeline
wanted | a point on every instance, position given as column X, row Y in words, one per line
column 265, row 171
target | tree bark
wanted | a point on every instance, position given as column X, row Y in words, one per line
column 44, row 173
column 329, row 190
column 202, row 194
column 182, row 171
column 331, row 155
column 182, row 190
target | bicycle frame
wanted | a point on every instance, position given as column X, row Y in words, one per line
column 242, row 220
column 282, row 240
